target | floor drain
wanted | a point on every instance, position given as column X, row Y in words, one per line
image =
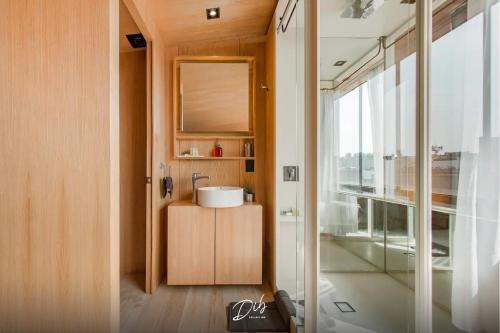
column 344, row 307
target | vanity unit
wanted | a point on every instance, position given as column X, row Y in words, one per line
column 208, row 246
column 215, row 238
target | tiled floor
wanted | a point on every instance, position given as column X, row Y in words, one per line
column 383, row 302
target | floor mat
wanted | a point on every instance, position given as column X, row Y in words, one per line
column 247, row 316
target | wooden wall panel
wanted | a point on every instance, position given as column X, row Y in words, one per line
column 251, row 46
column 132, row 162
column 59, row 152
column 228, row 47
column 161, row 134
column 270, row 161
column 220, row 172
column 256, row 47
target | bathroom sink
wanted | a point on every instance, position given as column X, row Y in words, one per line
column 220, row 196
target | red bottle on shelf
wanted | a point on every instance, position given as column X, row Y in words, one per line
column 217, row 151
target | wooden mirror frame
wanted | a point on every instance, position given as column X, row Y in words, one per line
column 213, row 59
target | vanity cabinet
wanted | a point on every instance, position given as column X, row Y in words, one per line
column 238, row 248
column 209, row 246
column 190, row 244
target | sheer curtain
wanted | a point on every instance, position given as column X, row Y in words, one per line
column 458, row 89
column 382, row 94
column 338, row 212
column 376, row 98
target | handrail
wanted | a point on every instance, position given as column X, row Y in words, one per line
column 440, row 209
column 280, row 25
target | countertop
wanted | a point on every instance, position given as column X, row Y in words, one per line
column 189, row 203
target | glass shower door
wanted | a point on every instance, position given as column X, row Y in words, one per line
column 289, row 215
column 366, row 166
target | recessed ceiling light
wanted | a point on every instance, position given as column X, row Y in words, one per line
column 213, row 13
column 340, row 63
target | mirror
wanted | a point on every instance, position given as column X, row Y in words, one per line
column 214, row 95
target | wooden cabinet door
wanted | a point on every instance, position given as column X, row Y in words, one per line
column 190, row 244
column 238, row 245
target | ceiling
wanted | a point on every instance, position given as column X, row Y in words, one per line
column 186, row 20
column 350, row 39
column 347, row 49
column 127, row 26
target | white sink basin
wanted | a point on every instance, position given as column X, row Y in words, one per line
column 220, row 196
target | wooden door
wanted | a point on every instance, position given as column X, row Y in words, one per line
column 190, row 243
column 238, row 249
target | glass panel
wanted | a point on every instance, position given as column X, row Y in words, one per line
column 290, row 152
column 465, row 166
column 349, row 141
column 366, row 166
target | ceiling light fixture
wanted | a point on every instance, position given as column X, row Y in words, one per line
column 361, row 9
column 213, row 13
column 340, row 63
column 136, row 40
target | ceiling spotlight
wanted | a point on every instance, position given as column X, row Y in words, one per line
column 339, row 63
column 213, row 13
column 361, row 9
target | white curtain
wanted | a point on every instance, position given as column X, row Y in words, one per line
column 338, row 212
column 376, row 98
column 382, row 94
column 408, row 104
column 476, row 239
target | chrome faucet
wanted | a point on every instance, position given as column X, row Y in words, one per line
column 195, row 177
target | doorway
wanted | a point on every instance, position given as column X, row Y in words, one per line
column 135, row 156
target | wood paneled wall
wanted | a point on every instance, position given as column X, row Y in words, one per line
column 270, row 161
column 160, row 140
column 59, row 180
column 224, row 172
column 228, row 172
column 133, row 162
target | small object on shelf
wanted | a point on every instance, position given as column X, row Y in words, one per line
column 248, row 149
column 290, row 212
column 194, row 151
column 249, row 195
column 217, row 151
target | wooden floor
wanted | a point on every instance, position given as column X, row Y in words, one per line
column 188, row 309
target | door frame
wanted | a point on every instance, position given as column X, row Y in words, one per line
column 141, row 24
column 149, row 169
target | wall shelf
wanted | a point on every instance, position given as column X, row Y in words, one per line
column 215, row 137
column 211, row 158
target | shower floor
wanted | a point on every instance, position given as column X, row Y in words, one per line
column 383, row 302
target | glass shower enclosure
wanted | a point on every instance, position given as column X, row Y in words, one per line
column 289, row 164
